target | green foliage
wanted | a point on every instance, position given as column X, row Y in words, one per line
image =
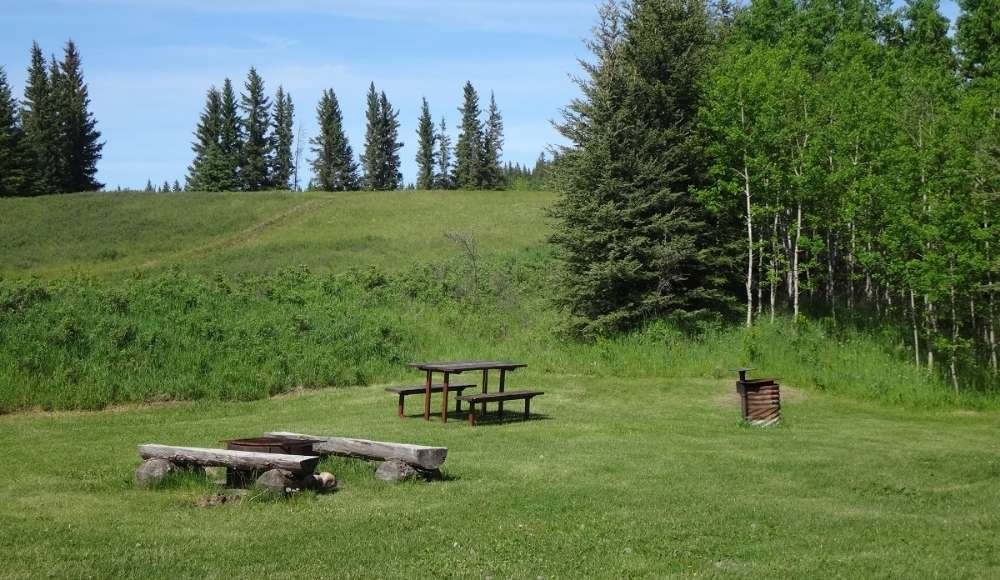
column 426, row 154
column 79, row 140
column 206, row 134
column 283, row 139
column 257, row 154
column 468, row 149
column 633, row 240
column 442, row 179
column 14, row 159
column 333, row 166
column 491, row 172
column 380, row 160
column 41, row 131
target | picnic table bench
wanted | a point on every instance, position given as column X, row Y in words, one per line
column 420, row 390
column 457, row 367
column 499, row 398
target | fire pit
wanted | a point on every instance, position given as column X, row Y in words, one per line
column 238, row 478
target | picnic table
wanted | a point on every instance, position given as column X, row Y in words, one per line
column 457, row 367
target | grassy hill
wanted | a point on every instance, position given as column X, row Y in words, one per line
column 102, row 234
column 234, row 313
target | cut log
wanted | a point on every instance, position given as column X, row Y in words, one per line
column 240, row 460
column 415, row 455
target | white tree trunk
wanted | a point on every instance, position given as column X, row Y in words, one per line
column 749, row 216
column 795, row 261
column 916, row 330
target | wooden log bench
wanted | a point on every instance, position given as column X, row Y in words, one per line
column 420, row 456
column 406, row 391
column 500, row 397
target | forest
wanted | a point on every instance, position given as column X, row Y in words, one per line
column 836, row 159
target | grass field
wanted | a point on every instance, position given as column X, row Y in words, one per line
column 618, row 478
column 105, row 234
column 235, row 313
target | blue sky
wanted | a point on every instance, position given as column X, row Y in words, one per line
column 149, row 62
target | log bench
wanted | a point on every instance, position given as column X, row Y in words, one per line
column 484, row 398
column 406, row 391
column 242, row 467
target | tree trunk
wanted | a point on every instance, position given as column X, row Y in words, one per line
column 931, row 325
column 772, row 278
column 916, row 331
column 795, row 262
column 831, row 255
column 954, row 341
column 850, row 272
column 749, row 285
column 226, row 458
column 416, row 455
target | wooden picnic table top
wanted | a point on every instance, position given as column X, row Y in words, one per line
column 466, row 365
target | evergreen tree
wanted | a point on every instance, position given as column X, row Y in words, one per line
column 40, row 127
column 215, row 172
column 492, row 171
column 333, row 163
column 227, row 161
column 392, row 176
column 176, row 188
column 14, row 160
column 283, row 165
column 206, row 134
column 80, row 145
column 425, row 152
column 257, row 153
column 630, row 233
column 442, row 179
column 469, row 147
column 150, row 188
column 373, row 159
column 165, row 188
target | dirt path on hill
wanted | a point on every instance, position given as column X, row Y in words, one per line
column 239, row 238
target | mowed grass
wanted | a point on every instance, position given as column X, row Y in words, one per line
column 615, row 478
column 106, row 234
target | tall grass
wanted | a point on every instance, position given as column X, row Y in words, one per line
column 86, row 343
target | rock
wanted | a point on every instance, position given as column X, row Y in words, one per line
column 322, row 481
column 395, row 470
column 277, row 481
column 153, row 471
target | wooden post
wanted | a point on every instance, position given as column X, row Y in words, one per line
column 503, row 376
column 399, row 407
column 444, row 399
column 486, row 382
column 527, row 408
column 427, row 397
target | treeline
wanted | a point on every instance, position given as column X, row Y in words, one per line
column 840, row 158
column 249, row 145
column 49, row 142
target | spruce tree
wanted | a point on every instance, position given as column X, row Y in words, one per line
column 150, row 188
column 491, row 171
column 227, row 160
column 469, row 146
column 631, row 237
column 373, row 158
column 14, row 161
column 256, row 159
column 206, row 134
column 392, row 170
column 282, row 133
column 38, row 121
column 425, row 152
column 79, row 140
column 333, row 164
column 442, row 179
column 165, row 188
column 215, row 172
column 176, row 188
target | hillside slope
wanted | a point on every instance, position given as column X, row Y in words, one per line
column 104, row 234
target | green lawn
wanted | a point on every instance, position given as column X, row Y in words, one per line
column 104, row 234
column 637, row 478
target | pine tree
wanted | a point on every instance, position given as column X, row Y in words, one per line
column 333, row 164
column 283, row 165
column 630, row 234
column 227, row 161
column 442, row 180
column 491, row 172
column 206, row 134
column 215, row 172
column 257, row 153
column 79, row 137
column 425, row 153
column 40, row 127
column 373, row 158
column 165, row 188
column 392, row 171
column 150, row 188
column 176, row 188
column 14, row 160
column 468, row 149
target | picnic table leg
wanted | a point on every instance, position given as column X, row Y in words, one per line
column 503, row 376
column 486, row 387
column 527, row 408
column 399, row 408
column 444, row 399
column 427, row 397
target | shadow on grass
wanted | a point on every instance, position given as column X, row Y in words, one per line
column 490, row 418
